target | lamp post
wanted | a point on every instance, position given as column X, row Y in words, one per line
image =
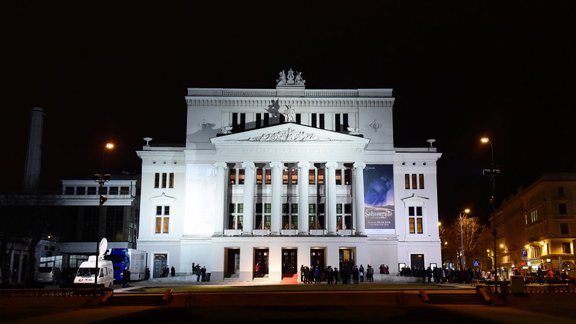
column 101, row 179
column 461, row 218
column 492, row 173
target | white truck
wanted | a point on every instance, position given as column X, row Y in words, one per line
column 96, row 268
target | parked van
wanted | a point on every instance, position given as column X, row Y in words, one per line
column 87, row 271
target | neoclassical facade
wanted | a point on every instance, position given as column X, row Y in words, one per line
column 273, row 179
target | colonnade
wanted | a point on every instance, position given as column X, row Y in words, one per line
column 277, row 167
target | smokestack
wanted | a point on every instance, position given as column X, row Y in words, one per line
column 33, row 155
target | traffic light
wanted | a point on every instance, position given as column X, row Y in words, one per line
column 103, row 199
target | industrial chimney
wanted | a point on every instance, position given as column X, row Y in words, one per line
column 33, row 156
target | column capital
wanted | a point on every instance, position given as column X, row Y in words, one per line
column 304, row 165
column 331, row 165
column 276, row 164
column 248, row 165
column 359, row 165
column 220, row 164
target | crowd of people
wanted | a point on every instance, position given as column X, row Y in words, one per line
column 332, row 275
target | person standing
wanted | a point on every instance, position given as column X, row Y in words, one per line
column 125, row 278
column 173, row 271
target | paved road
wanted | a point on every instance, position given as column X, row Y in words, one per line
column 304, row 307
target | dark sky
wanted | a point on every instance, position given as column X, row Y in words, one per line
column 459, row 70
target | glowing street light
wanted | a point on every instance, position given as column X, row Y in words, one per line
column 492, row 172
column 462, row 218
column 101, row 178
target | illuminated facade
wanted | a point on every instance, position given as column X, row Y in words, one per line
column 272, row 179
column 537, row 226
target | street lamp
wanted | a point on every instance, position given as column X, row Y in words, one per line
column 492, row 172
column 462, row 218
column 101, row 179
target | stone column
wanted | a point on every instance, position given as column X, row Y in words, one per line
column 358, row 188
column 221, row 183
column 276, row 221
column 303, row 223
column 331, row 197
column 249, row 183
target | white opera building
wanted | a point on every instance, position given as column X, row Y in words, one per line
column 273, row 179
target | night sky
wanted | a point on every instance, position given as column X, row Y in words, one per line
column 459, row 70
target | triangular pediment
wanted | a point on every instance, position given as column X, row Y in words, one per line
column 288, row 133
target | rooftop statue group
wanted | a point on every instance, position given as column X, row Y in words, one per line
column 291, row 79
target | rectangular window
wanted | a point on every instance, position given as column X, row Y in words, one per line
column 162, row 220
column 163, row 180
column 290, row 216
column 113, row 191
column 562, row 209
column 238, row 121
column 321, row 176
column 313, row 120
column 421, row 181
column 232, row 176
column 124, row 190
column 347, row 177
column 259, row 176
column 268, row 173
column 294, row 176
column 564, row 229
column 91, row 190
column 311, row 176
column 415, row 220
column 258, row 121
column 414, row 182
column 285, row 176
column 68, row 190
column 241, row 176
column 341, row 122
column 81, row 191
column 236, row 213
column 566, row 248
column 298, row 118
column 338, row 176
column 406, row 181
column 263, row 216
column 561, row 191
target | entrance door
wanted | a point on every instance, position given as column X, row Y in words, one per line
column 289, row 262
column 317, row 259
column 347, row 259
column 232, row 263
column 417, row 261
column 260, row 263
column 160, row 262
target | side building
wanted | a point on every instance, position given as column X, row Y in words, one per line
column 270, row 180
column 536, row 227
column 45, row 237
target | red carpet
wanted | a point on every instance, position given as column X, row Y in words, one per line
column 290, row 280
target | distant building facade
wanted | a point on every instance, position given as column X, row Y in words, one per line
column 54, row 233
column 270, row 180
column 536, row 227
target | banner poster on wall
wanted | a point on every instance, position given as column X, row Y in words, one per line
column 379, row 199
